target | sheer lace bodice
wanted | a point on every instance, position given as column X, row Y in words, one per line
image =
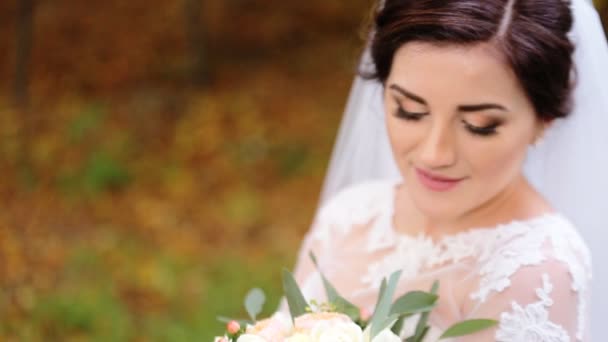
column 532, row 276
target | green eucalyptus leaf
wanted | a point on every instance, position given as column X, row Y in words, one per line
column 383, row 306
column 398, row 326
column 388, row 322
column 468, row 327
column 435, row 287
column 376, row 316
column 421, row 327
column 420, row 337
column 225, row 320
column 295, row 299
column 254, row 302
column 414, row 302
column 343, row 305
column 313, row 258
column 347, row 308
column 331, row 291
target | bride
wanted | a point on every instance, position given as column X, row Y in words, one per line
column 471, row 153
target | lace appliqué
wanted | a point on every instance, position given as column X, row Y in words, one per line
column 566, row 248
column 499, row 251
column 524, row 247
column 531, row 323
column 518, row 246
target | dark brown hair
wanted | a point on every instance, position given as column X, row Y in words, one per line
column 531, row 34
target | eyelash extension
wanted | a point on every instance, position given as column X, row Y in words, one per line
column 403, row 114
column 482, row 131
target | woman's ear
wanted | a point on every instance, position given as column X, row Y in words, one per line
column 542, row 127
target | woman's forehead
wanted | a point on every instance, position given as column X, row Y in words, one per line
column 465, row 61
column 436, row 70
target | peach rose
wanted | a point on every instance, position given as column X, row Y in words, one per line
column 275, row 328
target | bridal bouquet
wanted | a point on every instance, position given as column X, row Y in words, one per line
column 339, row 319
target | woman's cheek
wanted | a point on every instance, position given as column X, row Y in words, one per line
column 498, row 164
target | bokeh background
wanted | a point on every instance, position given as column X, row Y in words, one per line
column 159, row 158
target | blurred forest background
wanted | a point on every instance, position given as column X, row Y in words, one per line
column 160, row 158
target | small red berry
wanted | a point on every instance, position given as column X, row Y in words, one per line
column 233, row 327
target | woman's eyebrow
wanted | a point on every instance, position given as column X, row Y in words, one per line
column 481, row 106
column 462, row 108
column 408, row 94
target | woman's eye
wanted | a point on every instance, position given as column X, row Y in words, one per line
column 403, row 114
column 483, row 131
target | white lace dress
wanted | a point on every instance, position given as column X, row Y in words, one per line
column 532, row 276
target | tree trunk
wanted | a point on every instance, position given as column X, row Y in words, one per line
column 196, row 41
column 25, row 24
column 21, row 95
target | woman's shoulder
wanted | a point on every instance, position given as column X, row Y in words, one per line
column 531, row 265
column 549, row 233
column 565, row 246
column 541, row 243
column 556, row 235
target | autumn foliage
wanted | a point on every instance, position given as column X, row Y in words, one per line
column 165, row 149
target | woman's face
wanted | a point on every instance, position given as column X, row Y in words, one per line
column 459, row 125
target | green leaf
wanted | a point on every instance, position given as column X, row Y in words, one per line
column 435, row 287
column 420, row 337
column 468, row 327
column 343, row 305
column 254, row 302
column 313, row 258
column 421, row 327
column 383, row 306
column 225, row 320
column 388, row 322
column 375, row 320
column 398, row 326
column 330, row 290
column 414, row 302
column 347, row 308
column 295, row 299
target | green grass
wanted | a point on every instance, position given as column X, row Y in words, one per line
column 142, row 294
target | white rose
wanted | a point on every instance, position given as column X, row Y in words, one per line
column 386, row 336
column 337, row 332
column 250, row 338
column 299, row 337
column 283, row 319
column 275, row 328
column 307, row 321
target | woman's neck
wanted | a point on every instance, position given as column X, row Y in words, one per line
column 518, row 201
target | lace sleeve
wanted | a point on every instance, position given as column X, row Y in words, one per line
column 543, row 303
column 334, row 225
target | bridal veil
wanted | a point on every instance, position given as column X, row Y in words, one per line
column 569, row 166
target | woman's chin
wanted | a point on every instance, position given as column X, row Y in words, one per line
column 439, row 208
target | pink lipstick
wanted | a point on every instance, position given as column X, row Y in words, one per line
column 436, row 182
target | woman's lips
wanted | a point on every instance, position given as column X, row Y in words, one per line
column 436, row 182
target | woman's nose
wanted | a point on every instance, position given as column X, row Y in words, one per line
column 437, row 149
